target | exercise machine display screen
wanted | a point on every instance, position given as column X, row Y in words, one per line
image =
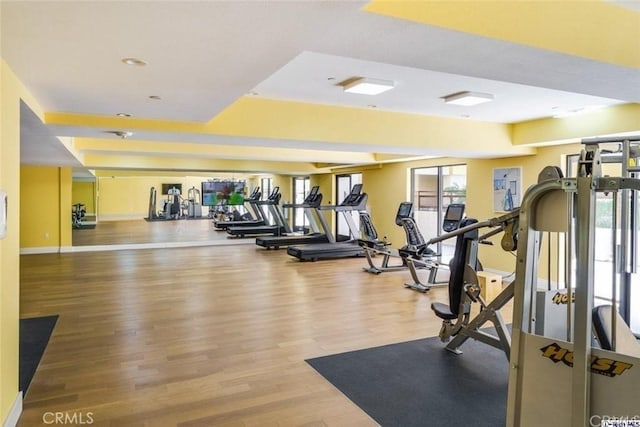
column 353, row 196
column 404, row 211
column 453, row 216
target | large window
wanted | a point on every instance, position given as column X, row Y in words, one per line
column 301, row 188
column 434, row 189
column 266, row 184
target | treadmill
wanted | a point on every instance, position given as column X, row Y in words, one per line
column 356, row 200
column 258, row 215
column 279, row 227
column 317, row 234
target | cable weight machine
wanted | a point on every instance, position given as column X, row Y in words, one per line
column 568, row 381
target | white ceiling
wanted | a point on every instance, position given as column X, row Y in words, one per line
column 41, row 147
column 204, row 55
column 315, row 77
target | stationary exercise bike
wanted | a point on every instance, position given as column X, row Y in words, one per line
column 77, row 215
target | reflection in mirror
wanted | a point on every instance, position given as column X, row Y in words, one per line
column 128, row 207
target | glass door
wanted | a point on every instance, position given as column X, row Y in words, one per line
column 266, row 185
column 344, row 183
column 434, row 189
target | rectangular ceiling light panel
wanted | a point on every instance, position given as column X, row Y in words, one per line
column 468, row 99
column 367, row 86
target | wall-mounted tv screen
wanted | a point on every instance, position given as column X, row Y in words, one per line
column 222, row 193
column 167, row 187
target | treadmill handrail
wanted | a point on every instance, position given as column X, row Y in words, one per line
column 361, row 203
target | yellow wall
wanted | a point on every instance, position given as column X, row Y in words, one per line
column 65, row 177
column 127, row 197
column 84, row 192
column 326, row 182
column 387, row 187
column 479, row 194
column 45, row 207
column 285, row 183
column 390, row 185
column 122, row 197
column 604, row 121
column 11, row 93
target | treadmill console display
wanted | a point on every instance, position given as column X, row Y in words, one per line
column 353, row 196
column 453, row 216
column 314, row 198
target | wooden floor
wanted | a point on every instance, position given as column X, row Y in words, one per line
column 208, row 336
column 139, row 231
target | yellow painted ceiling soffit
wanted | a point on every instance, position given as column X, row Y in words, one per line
column 286, row 120
column 105, row 161
column 129, row 123
column 392, row 158
column 322, row 165
column 606, row 121
column 183, row 149
column 586, row 28
column 270, row 118
column 165, row 173
column 355, row 168
column 68, row 143
column 9, row 81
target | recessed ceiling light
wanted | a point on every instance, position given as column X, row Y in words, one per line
column 123, row 114
column 467, row 99
column 134, row 61
column 576, row 111
column 368, row 86
column 155, row 97
column 120, row 133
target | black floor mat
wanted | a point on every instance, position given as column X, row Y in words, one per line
column 419, row 383
column 34, row 337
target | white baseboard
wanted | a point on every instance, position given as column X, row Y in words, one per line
column 14, row 413
column 40, row 250
column 120, row 217
column 159, row 245
column 129, row 246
